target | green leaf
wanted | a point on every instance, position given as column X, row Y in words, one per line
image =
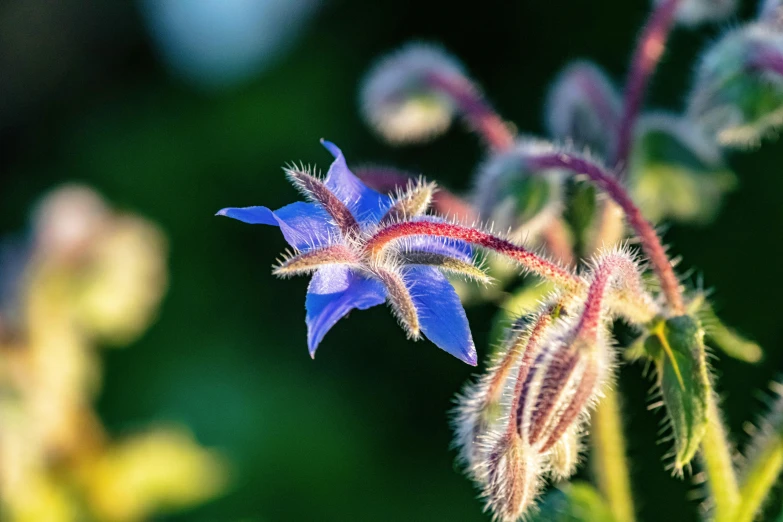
column 676, row 172
column 575, row 502
column 677, row 346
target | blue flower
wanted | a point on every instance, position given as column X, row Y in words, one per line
column 329, row 235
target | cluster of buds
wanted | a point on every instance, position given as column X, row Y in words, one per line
column 524, row 419
column 370, row 238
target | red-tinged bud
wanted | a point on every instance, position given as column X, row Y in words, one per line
column 513, row 479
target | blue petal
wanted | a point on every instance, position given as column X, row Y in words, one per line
column 367, row 205
column 438, row 245
column 441, row 315
column 303, row 225
column 333, row 292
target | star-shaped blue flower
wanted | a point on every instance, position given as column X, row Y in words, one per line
column 329, row 235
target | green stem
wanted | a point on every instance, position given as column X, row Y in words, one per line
column 610, row 464
column 760, row 479
column 764, row 465
column 716, row 455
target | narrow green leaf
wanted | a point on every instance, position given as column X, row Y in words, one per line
column 677, row 346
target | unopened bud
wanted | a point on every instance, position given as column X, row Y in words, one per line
column 68, row 220
column 398, row 98
column 583, row 106
column 738, row 91
column 564, row 457
column 771, row 13
column 513, row 195
column 513, row 478
column 694, row 12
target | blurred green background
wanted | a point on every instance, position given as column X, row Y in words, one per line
column 99, row 92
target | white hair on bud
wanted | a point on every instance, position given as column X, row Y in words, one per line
column 495, row 202
column 694, row 12
column 583, row 105
column 726, row 61
column 771, row 11
column 566, row 454
column 396, row 99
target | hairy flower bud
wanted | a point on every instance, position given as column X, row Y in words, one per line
column 483, row 406
column 513, row 195
column 738, row 91
column 564, row 457
column 513, row 478
column 584, row 106
column 771, row 13
column 398, row 99
column 693, row 12
column 676, row 171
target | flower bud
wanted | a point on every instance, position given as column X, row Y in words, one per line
column 513, row 478
column 564, row 381
column 398, row 99
column 513, row 195
column 737, row 95
column 583, row 106
column 694, row 12
column 564, row 457
column 771, row 13
column 676, row 171
column 68, row 220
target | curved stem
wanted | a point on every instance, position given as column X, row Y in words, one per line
column 716, row 455
column 650, row 241
column 495, row 132
column 609, row 460
column 531, row 261
column 645, row 59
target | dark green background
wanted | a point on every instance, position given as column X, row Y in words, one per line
column 361, row 432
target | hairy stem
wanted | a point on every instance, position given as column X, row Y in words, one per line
column 495, row 132
column 716, row 455
column 609, row 460
column 648, row 238
column 645, row 59
column 534, row 263
column 765, row 463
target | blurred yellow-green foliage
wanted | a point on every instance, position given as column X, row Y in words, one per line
column 173, row 109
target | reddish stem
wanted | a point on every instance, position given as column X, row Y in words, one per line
column 650, row 241
column 388, row 180
column 648, row 53
column 534, row 263
column 475, row 110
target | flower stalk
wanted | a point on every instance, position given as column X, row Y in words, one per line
column 610, row 463
column 651, row 243
column 717, row 458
